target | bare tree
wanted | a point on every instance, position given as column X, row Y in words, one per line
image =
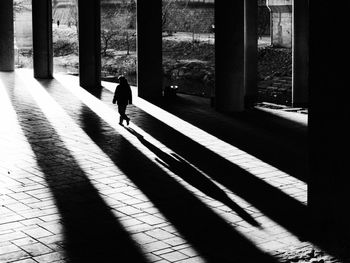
column 196, row 22
column 107, row 36
column 263, row 21
column 19, row 6
column 116, row 22
column 171, row 9
column 54, row 5
column 73, row 13
column 179, row 14
column 167, row 6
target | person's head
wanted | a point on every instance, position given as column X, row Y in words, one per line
column 122, row 80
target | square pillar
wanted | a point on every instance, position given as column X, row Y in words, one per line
column 89, row 25
column 42, row 38
column 250, row 51
column 300, row 90
column 329, row 115
column 229, row 55
column 149, row 49
column 7, row 62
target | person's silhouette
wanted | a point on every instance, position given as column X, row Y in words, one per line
column 123, row 97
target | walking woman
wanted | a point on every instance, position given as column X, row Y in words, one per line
column 123, row 97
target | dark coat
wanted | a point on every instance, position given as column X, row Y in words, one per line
column 122, row 94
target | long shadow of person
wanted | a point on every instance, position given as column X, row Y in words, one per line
column 194, row 177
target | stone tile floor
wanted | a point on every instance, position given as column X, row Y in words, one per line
column 182, row 183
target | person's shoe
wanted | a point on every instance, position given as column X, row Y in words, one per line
column 127, row 121
column 121, row 123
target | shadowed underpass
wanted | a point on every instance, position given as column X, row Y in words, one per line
column 217, row 179
column 93, row 233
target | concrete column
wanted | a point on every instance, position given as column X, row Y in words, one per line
column 149, row 48
column 300, row 52
column 89, row 43
column 329, row 115
column 281, row 22
column 229, row 55
column 42, row 38
column 7, row 62
column 250, row 52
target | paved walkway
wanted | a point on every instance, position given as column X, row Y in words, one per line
column 182, row 183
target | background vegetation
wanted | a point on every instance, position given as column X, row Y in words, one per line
column 188, row 45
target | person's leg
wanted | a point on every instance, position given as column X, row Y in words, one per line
column 121, row 110
column 126, row 117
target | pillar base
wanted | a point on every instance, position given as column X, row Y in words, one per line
column 43, row 76
column 301, row 105
column 7, row 70
column 250, row 101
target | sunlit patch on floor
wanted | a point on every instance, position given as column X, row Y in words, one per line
column 16, row 155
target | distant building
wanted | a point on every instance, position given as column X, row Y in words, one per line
column 281, row 22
